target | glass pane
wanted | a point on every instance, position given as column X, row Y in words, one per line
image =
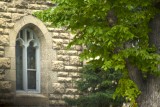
column 31, row 59
column 31, row 64
column 28, row 35
column 31, row 79
column 21, row 34
column 19, row 66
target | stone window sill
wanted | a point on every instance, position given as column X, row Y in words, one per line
column 31, row 99
column 29, row 94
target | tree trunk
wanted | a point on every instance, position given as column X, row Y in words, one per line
column 150, row 96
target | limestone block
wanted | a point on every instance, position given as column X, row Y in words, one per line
column 57, row 43
column 61, row 102
column 64, row 35
column 1, row 48
column 71, row 91
column 10, row 25
column 72, row 36
column 65, row 46
column 4, row 40
column 34, row 6
column 5, row 63
column 16, row 16
column 33, row 11
column 68, row 85
column 10, row 5
column 2, row 76
column 6, row 15
column 1, row 30
column 51, row 29
column 57, row 103
column 5, row 85
column 61, row 52
column 7, row 0
column 49, row 3
column 79, row 68
column 6, row 95
column 1, row 53
column 48, row 24
column 53, row 102
column 74, row 74
column 57, row 65
column 12, row 10
column 66, row 63
column 76, row 96
column 63, row 57
column 68, row 96
column 58, row 88
column 74, row 60
column 62, row 74
column 2, row 21
column 22, row 5
column 73, row 47
column 55, row 96
column 2, row 3
column 3, row 8
column 66, row 41
column 72, row 52
column 55, row 29
column 79, row 48
column 79, row 52
column 6, row 31
column 71, row 68
column 21, row 11
column 64, row 79
column 76, row 79
column 43, row 7
column 55, row 35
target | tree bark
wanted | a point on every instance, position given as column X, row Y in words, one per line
column 150, row 88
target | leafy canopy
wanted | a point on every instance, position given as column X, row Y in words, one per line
column 112, row 30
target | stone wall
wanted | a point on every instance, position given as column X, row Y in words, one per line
column 64, row 65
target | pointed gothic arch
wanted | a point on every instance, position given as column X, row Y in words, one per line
column 45, row 41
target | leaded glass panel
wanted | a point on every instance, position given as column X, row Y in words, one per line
column 19, row 66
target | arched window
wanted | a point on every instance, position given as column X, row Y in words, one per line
column 27, row 61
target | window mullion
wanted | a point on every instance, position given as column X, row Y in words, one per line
column 25, row 68
column 25, row 76
column 37, row 69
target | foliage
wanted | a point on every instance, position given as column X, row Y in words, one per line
column 115, row 31
column 97, row 87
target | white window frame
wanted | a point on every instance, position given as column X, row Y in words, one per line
column 25, row 44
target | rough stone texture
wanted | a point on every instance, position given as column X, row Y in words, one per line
column 5, row 85
column 71, row 91
column 67, row 96
column 2, row 75
column 58, row 88
column 4, row 63
column 64, row 79
column 70, row 68
column 74, row 60
column 58, row 65
column 4, row 39
column 57, row 74
column 62, row 74
column 1, row 53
